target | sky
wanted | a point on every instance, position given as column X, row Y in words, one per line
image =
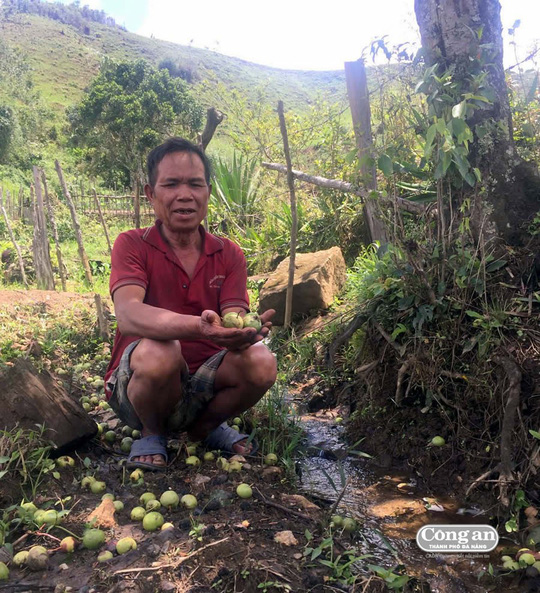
column 296, row 34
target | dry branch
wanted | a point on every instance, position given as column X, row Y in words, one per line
column 52, row 221
column 40, row 243
column 102, row 220
column 15, row 244
column 213, row 119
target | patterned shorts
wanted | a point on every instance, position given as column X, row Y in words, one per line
column 197, row 392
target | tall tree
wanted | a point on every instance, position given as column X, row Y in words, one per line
column 128, row 109
column 462, row 41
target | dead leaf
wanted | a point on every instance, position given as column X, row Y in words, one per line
column 103, row 516
column 286, row 538
column 531, row 512
column 299, row 501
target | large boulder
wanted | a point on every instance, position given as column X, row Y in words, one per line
column 29, row 397
column 318, row 278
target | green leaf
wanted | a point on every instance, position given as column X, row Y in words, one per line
column 430, row 136
column 474, row 314
column 535, row 434
column 56, row 475
column 459, row 110
column 532, row 91
column 3, row 473
column 496, row 265
column 386, row 165
column 4, row 458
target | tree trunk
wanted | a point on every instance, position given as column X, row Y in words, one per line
column 454, row 34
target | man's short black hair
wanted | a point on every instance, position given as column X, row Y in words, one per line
column 171, row 145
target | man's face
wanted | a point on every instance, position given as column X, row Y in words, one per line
column 180, row 195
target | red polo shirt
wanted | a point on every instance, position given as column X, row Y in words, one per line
column 144, row 258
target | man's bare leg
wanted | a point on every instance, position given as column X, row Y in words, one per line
column 155, row 387
column 241, row 380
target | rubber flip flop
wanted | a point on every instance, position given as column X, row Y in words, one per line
column 224, row 437
column 150, row 445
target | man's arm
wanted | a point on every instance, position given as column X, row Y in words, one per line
column 136, row 318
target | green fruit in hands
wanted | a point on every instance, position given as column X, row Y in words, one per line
column 193, row 460
column 4, row 572
column 98, row 487
column 233, row 320
column 438, row 441
column 253, row 320
column 169, row 499
column 144, row 498
column 20, row 558
column 153, row 521
column 126, row 544
column 93, row 539
column 244, row 491
column 189, row 501
column 104, row 556
column 138, row 514
column 270, row 459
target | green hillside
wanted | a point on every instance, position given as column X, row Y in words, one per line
column 64, row 60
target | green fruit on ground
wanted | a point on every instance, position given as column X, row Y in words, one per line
column 233, row 320
column 222, row 463
column 65, row 461
column 438, row 441
column 98, row 382
column 93, row 539
column 137, row 514
column 136, row 475
column 169, row 499
column 237, row 421
column 126, row 444
column 110, row 436
column 98, row 487
column 167, row 526
column 61, row 372
column 104, row 405
column 535, row 565
column 136, row 434
column 37, row 558
column 87, row 481
column 27, row 509
column 189, row 501
column 94, row 400
column 244, row 491
column 104, row 425
column 507, row 559
column 68, row 544
column 511, row 565
column 51, row 517
column 527, row 559
column 153, row 521
column 104, row 556
column 193, row 460
column 234, row 466
column 235, row 427
column 125, row 545
column 339, row 420
column 127, row 431
column 153, row 505
column 144, row 498
column 253, row 320
column 209, row 456
column 87, row 407
column 349, row 524
column 108, row 495
column 85, row 400
column 20, row 558
column 337, row 520
column 38, row 516
column 4, row 572
column 270, row 459
column 118, row 505
column 191, row 449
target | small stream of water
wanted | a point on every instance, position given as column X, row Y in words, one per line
column 390, row 509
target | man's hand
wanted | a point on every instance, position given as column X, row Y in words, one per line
column 266, row 323
column 230, row 338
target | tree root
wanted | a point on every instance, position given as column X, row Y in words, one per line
column 504, row 467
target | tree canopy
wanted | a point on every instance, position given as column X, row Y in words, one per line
column 128, row 109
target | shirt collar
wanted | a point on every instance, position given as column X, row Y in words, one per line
column 211, row 243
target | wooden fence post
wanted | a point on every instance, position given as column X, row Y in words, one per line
column 137, row 205
column 103, row 223
column 357, row 90
column 15, row 244
column 40, row 244
column 294, row 229
column 52, row 220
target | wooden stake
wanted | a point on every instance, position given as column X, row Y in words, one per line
column 294, row 229
column 15, row 244
column 103, row 223
column 137, row 205
column 40, row 243
column 52, row 220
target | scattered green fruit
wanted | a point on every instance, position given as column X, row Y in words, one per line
column 153, row 521
column 189, row 501
column 235, row 427
column 244, row 491
column 167, row 526
column 144, row 498
column 438, row 441
column 270, row 459
column 87, row 481
column 126, row 544
column 4, row 572
column 237, row 421
column 20, row 558
column 137, row 514
column 51, row 517
column 193, row 460
column 37, row 558
column 68, row 544
column 252, row 320
column 222, row 463
column 98, row 487
column 339, row 420
column 527, row 559
column 87, row 407
column 209, row 456
column 93, row 539
column 127, row 431
column 169, row 499
column 233, row 320
column 506, row 559
column 110, row 436
column 337, row 520
column 136, row 475
column 118, row 505
column 65, row 461
column 234, row 466
column 349, row 525
column 104, row 556
column 126, row 444
column 136, row 434
column 153, row 505
column 27, row 509
column 535, row 565
column 191, row 449
column 38, row 516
